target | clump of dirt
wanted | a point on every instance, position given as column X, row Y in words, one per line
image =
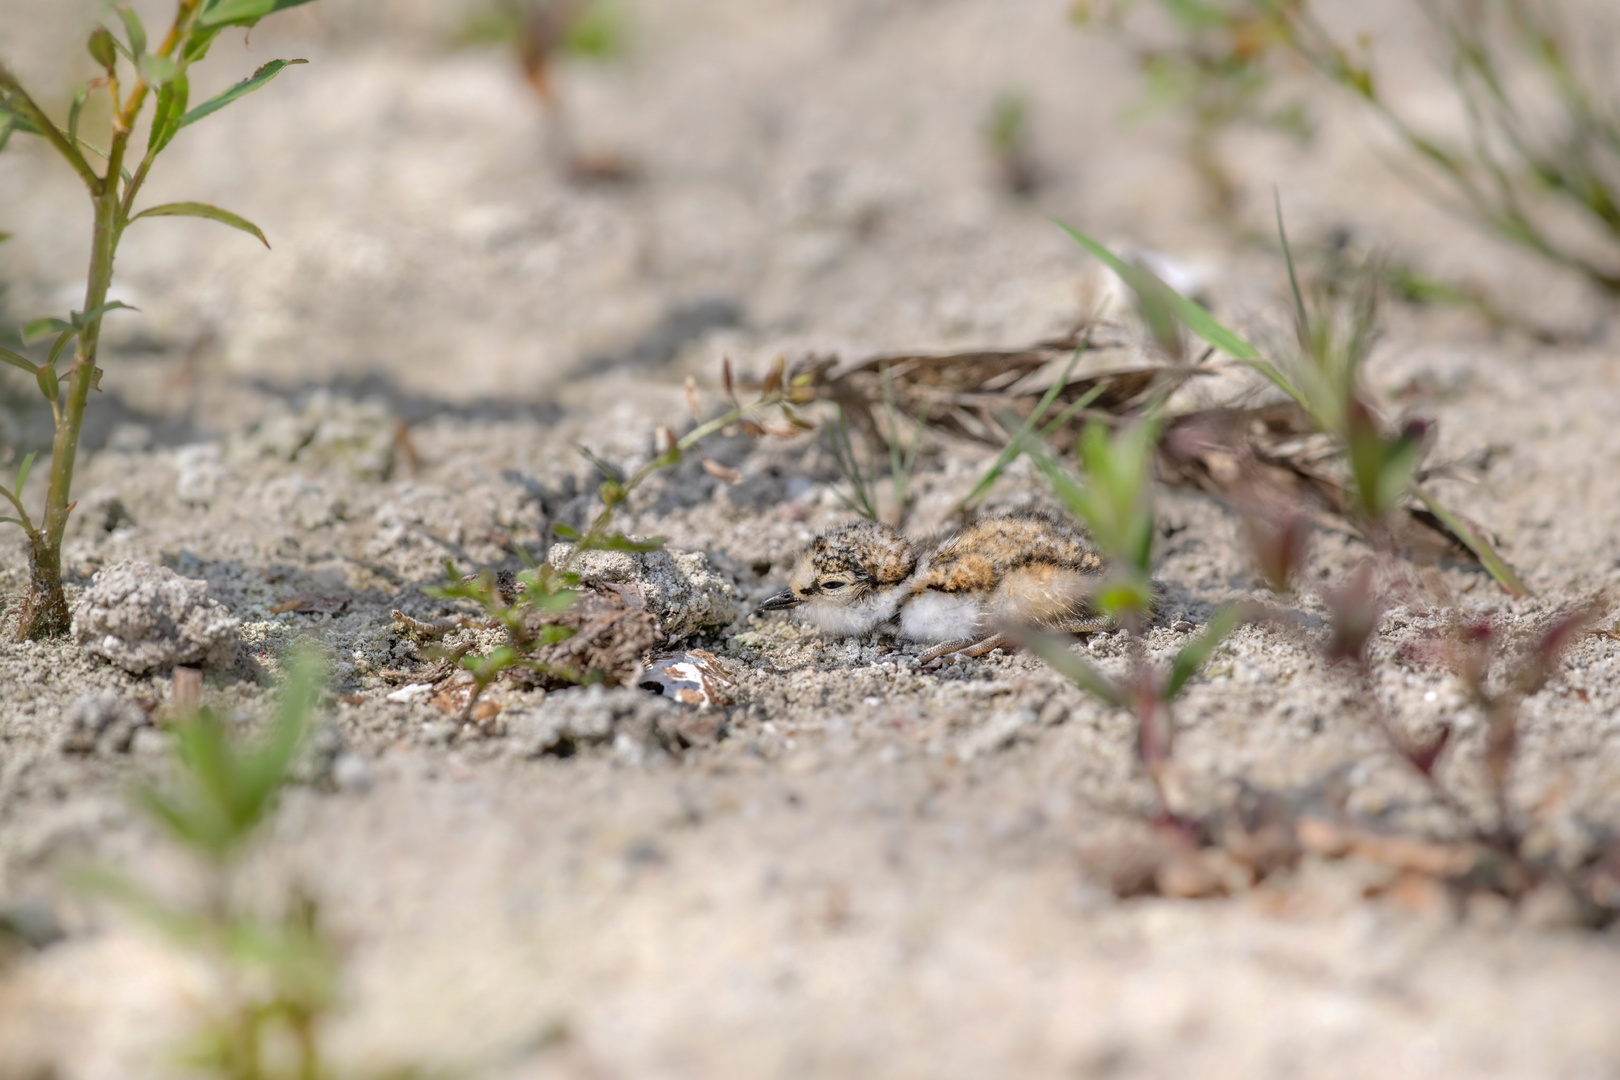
column 147, row 618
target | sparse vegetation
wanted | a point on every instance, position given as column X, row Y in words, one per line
column 1113, row 498
column 132, row 75
column 1536, row 162
column 527, row 608
column 1320, row 370
column 864, row 480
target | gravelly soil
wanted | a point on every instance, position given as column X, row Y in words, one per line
column 868, row 868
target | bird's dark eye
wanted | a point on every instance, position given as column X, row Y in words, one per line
column 835, row 585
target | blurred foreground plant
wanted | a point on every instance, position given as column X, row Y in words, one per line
column 1538, row 161
column 542, row 32
column 276, row 972
column 1321, row 372
column 1113, row 498
column 162, row 69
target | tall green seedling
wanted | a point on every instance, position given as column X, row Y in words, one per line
column 135, row 72
column 1113, row 497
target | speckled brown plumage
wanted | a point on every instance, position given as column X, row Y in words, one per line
column 851, row 580
column 1025, row 569
column 1029, row 568
column 989, row 550
column 863, row 549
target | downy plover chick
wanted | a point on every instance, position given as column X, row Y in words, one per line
column 850, row 581
column 1024, row 569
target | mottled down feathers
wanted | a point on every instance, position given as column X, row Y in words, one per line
column 1024, row 569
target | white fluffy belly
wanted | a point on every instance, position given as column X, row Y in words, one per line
column 938, row 616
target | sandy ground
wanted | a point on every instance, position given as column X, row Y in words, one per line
column 877, row 871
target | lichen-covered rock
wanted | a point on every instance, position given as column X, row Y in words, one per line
column 148, row 618
column 681, row 589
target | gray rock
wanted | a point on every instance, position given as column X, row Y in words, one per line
column 681, row 589
column 199, row 471
column 146, row 618
column 567, row 721
column 102, row 722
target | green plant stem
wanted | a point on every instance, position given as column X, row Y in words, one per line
column 21, row 102
column 599, row 525
column 45, row 611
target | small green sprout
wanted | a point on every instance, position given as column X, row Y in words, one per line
column 1321, row 372
column 527, row 610
column 1113, row 498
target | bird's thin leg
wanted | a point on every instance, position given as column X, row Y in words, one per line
column 1085, row 624
column 946, row 648
column 989, row 644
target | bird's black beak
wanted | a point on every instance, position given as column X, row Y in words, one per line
column 780, row 602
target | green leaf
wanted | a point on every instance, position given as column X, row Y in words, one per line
column 262, row 773
column 246, row 86
column 217, row 13
column 49, row 384
column 157, row 70
column 1016, row 445
column 1195, row 653
column 560, row 600
column 204, row 210
column 1302, row 319
column 1494, row 563
column 1131, row 593
column 171, row 107
column 1282, row 382
column 82, row 321
column 197, row 43
column 102, row 48
column 38, row 328
column 16, row 360
column 62, row 340
column 619, row 542
column 136, row 32
column 596, row 31
column 14, row 121
column 1082, row 673
column 181, row 927
column 1192, row 314
column 22, row 472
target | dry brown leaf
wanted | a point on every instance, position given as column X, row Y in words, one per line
column 967, row 394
